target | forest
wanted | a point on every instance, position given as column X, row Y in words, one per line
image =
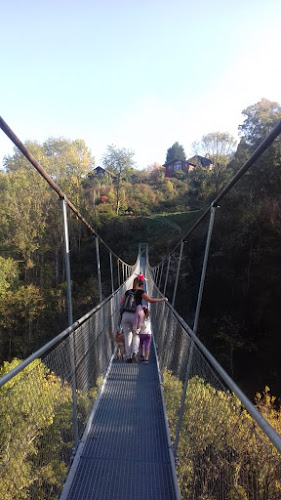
column 239, row 320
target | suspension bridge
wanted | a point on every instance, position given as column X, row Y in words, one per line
column 95, row 427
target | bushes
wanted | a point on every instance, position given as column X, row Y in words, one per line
column 36, row 435
column 220, row 453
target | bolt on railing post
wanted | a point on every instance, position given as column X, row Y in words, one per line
column 167, row 273
column 70, row 322
column 178, row 273
column 195, row 324
column 98, row 267
column 111, row 272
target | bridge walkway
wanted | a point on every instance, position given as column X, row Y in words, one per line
column 127, row 453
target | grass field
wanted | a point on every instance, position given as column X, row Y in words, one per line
column 161, row 232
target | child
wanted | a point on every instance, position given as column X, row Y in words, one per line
column 145, row 336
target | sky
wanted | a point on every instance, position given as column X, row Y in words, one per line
column 137, row 74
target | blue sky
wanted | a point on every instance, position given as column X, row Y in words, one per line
column 137, row 74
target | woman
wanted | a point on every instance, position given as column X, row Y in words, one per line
column 131, row 337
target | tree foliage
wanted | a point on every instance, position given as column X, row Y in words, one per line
column 175, row 151
column 36, row 436
column 219, row 451
column 118, row 161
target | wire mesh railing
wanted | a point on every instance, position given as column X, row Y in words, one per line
column 221, row 450
column 45, row 403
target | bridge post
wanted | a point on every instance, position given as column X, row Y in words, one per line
column 167, row 273
column 159, row 284
column 98, row 267
column 111, row 272
column 70, row 322
column 118, row 272
column 178, row 273
column 195, row 324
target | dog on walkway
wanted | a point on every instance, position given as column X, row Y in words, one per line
column 119, row 339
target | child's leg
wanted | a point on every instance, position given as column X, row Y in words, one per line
column 147, row 346
column 142, row 344
column 138, row 318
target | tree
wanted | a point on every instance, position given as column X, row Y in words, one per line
column 157, row 174
column 219, row 449
column 265, row 176
column 175, row 151
column 36, row 436
column 8, row 274
column 260, row 119
column 119, row 162
column 219, row 148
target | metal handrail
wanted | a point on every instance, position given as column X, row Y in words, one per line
column 251, row 409
column 65, row 333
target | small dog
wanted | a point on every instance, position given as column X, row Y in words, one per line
column 119, row 339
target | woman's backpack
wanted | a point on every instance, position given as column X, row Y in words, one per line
column 130, row 304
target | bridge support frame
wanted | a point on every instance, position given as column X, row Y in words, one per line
column 195, row 324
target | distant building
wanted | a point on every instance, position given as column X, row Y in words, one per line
column 99, row 171
column 177, row 165
column 201, row 161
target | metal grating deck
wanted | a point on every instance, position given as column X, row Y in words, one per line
column 126, row 455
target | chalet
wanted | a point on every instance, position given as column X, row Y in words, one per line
column 177, row 165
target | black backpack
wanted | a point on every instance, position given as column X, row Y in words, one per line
column 130, row 304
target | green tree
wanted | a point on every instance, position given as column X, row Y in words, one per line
column 20, row 311
column 119, row 162
column 264, row 178
column 175, row 151
column 219, row 148
column 36, row 436
column 260, row 118
column 219, row 449
column 157, row 174
column 8, row 274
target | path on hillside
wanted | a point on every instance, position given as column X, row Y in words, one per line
column 169, row 222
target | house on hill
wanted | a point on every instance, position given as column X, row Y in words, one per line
column 177, row 165
column 99, row 171
column 201, row 161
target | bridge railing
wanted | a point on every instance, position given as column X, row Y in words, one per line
column 45, row 403
column 219, row 437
